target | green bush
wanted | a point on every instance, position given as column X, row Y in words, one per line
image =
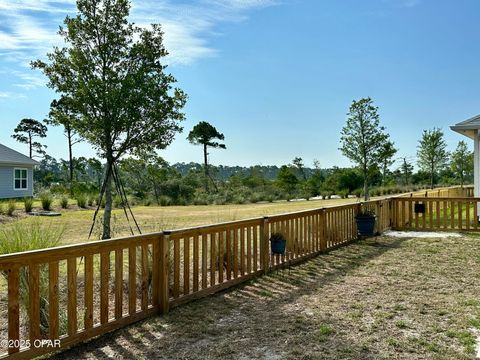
column 358, row 192
column 200, row 200
column 11, row 206
column 2, row 208
column 64, row 202
column 81, row 201
column 91, row 200
column 182, row 202
column 117, row 201
column 28, row 204
column 165, row 201
column 220, row 200
column 46, row 200
column 22, row 237
column 132, row 200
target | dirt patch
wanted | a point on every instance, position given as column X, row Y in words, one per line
column 421, row 234
column 400, row 298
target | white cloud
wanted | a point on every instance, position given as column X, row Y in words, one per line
column 187, row 27
column 28, row 29
column 56, row 6
column 6, row 95
column 29, row 80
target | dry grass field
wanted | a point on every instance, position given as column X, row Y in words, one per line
column 76, row 222
column 381, row 298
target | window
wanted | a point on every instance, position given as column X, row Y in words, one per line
column 20, row 179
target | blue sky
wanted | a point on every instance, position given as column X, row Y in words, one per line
column 276, row 76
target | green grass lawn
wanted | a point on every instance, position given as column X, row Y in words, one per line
column 380, row 298
column 76, row 223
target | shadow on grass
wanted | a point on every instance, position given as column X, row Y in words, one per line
column 250, row 320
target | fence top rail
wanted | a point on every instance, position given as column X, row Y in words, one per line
column 213, row 227
column 444, row 198
column 434, row 191
column 74, row 250
column 307, row 212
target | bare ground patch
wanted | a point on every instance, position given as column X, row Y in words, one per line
column 395, row 298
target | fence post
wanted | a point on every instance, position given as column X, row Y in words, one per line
column 163, row 291
column 358, row 209
column 156, row 271
column 264, row 253
column 392, row 213
column 323, row 232
column 379, row 216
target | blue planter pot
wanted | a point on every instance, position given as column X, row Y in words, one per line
column 278, row 246
column 365, row 225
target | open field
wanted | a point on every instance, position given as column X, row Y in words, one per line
column 380, row 298
column 76, row 223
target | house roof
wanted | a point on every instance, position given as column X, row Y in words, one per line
column 10, row 156
column 468, row 127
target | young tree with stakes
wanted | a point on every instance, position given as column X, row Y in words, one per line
column 362, row 138
column 113, row 86
column 26, row 132
column 204, row 134
column 432, row 155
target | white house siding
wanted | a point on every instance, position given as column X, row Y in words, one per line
column 7, row 190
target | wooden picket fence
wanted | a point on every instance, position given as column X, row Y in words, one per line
column 74, row 293
column 436, row 213
column 450, row 192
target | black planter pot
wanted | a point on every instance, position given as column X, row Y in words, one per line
column 278, row 246
column 365, row 224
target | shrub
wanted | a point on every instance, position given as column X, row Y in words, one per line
column 357, row 193
column 64, row 202
column 182, row 202
column 22, row 237
column 28, row 204
column 58, row 189
column 46, row 200
column 2, row 208
column 165, row 201
column 81, row 201
column 220, row 200
column 117, row 201
column 11, row 205
column 91, row 200
column 200, row 200
column 147, row 202
column 132, row 200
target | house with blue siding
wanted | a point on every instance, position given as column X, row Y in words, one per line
column 16, row 174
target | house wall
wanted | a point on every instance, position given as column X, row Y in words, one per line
column 6, row 182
